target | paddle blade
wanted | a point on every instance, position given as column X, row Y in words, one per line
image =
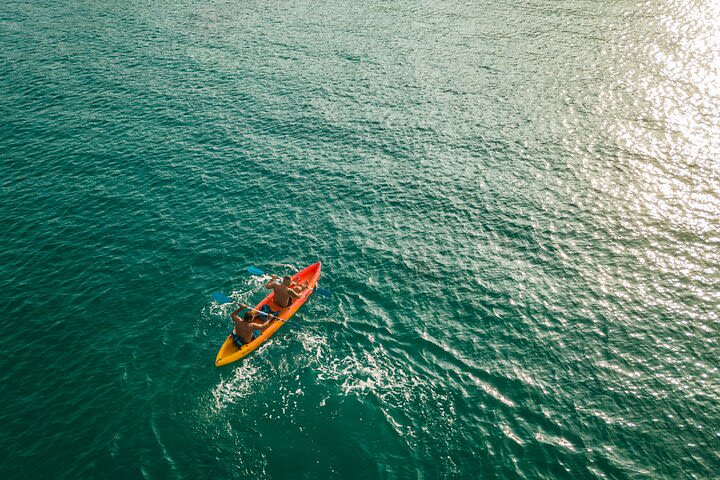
column 323, row 292
column 221, row 297
column 255, row 271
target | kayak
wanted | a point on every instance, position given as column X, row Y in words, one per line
column 230, row 352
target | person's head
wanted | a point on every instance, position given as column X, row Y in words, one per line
column 287, row 280
column 248, row 316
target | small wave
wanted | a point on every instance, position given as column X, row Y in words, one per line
column 493, row 392
column 557, row 441
column 158, row 439
column 511, row 435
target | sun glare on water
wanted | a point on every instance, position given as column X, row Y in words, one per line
column 671, row 134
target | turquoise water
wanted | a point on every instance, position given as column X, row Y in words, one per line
column 516, row 205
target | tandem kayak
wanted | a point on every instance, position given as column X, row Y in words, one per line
column 229, row 352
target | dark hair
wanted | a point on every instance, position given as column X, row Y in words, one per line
column 287, row 277
column 248, row 316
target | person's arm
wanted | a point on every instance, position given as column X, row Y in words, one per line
column 261, row 326
column 299, row 288
column 271, row 284
column 234, row 314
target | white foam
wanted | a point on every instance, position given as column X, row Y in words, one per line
column 232, row 390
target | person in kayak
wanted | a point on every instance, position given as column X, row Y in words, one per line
column 285, row 292
column 244, row 329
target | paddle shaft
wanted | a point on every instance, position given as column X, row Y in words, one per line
column 270, row 316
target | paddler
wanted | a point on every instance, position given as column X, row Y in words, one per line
column 243, row 332
column 285, row 293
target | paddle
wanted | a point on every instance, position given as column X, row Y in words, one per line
column 258, row 272
column 221, row 298
column 255, row 271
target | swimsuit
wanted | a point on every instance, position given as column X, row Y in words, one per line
column 239, row 341
column 265, row 310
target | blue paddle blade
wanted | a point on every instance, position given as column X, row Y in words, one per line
column 323, row 292
column 221, row 297
column 255, row 271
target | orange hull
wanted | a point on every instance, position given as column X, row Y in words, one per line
column 229, row 352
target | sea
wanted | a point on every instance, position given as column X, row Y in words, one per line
column 516, row 205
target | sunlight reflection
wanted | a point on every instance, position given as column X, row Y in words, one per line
column 676, row 149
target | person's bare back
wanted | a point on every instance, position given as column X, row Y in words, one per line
column 284, row 292
column 244, row 328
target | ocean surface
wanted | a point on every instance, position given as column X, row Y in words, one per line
column 516, row 205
